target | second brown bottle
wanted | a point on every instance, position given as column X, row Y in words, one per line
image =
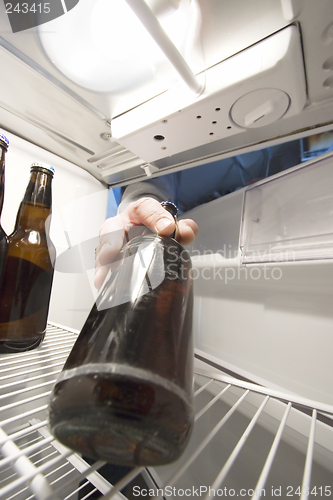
column 26, row 287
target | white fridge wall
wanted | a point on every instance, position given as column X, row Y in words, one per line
column 79, row 208
column 273, row 323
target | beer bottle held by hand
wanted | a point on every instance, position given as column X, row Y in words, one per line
column 27, row 281
column 125, row 392
column 4, row 143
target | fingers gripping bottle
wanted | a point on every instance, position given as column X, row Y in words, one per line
column 125, row 393
column 27, row 281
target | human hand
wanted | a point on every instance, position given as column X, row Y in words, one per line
column 115, row 231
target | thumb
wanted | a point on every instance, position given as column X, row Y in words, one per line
column 150, row 213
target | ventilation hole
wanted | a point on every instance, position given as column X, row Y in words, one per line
column 214, row 123
column 328, row 64
column 211, row 133
column 228, row 127
column 198, row 117
column 217, row 109
column 106, row 136
column 328, row 83
column 159, row 137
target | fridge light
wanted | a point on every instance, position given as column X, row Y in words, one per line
column 102, row 46
column 117, row 33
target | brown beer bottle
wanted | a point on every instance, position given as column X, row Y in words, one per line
column 4, row 143
column 125, row 392
column 27, row 281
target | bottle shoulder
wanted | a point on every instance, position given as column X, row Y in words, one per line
column 36, row 252
column 21, row 241
column 28, row 235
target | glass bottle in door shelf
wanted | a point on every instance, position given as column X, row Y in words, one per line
column 4, row 143
column 27, row 281
column 125, row 392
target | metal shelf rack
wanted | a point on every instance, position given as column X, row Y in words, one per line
column 246, row 439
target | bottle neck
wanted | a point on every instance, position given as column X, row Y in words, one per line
column 2, row 176
column 173, row 210
column 36, row 205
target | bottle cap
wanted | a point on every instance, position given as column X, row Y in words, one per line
column 4, row 141
column 45, row 166
column 171, row 208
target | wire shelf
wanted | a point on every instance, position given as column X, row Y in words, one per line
column 247, row 441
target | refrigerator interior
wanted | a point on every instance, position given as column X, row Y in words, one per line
column 262, row 380
column 263, row 323
column 263, row 280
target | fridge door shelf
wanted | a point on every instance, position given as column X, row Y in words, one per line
column 236, row 420
column 288, row 217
